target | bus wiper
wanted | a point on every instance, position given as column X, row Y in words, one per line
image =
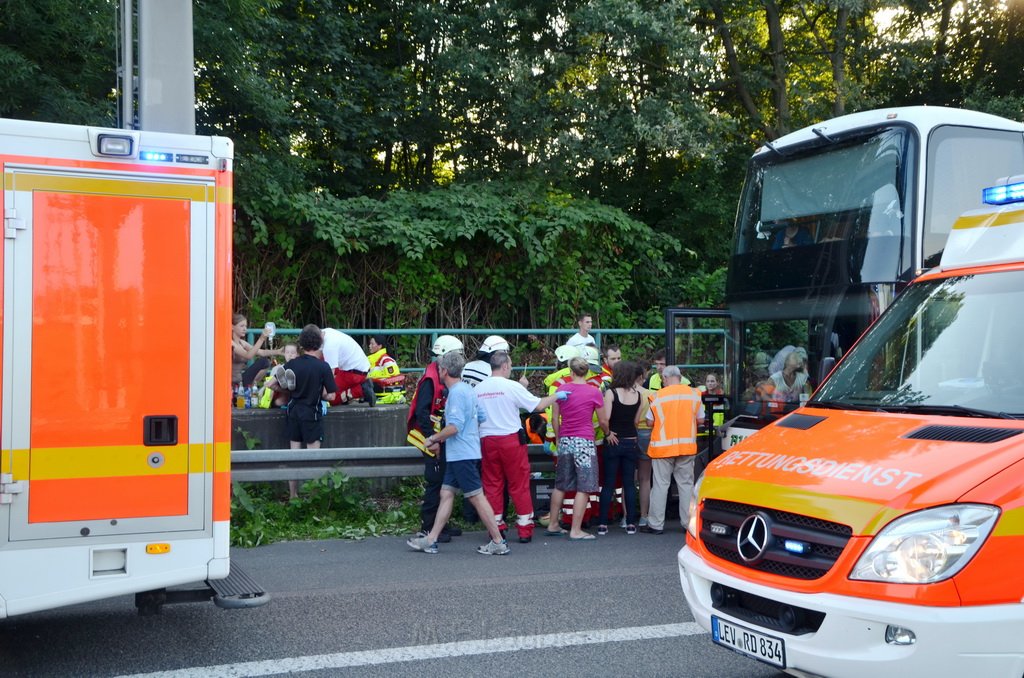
column 775, row 149
column 822, row 134
column 955, row 410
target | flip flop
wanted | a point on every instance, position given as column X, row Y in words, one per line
column 587, row 537
column 555, row 533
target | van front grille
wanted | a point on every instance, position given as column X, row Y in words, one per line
column 815, row 544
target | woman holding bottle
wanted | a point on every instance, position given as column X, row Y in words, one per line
column 242, row 352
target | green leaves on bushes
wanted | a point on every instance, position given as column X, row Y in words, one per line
column 510, row 253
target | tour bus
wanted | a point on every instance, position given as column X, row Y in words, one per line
column 833, row 222
column 878, row 530
column 114, row 416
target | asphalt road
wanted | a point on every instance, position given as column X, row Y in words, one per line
column 374, row 608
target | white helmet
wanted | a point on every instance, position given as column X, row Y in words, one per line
column 592, row 356
column 494, row 343
column 565, row 353
column 446, row 343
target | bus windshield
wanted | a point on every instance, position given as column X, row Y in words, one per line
column 832, row 214
column 945, row 346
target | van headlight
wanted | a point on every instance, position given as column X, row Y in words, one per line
column 926, row 546
column 691, row 525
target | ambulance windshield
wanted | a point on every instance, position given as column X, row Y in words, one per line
column 949, row 346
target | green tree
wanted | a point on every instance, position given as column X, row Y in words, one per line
column 58, row 60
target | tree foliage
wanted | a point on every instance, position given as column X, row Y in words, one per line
column 481, row 253
column 454, row 162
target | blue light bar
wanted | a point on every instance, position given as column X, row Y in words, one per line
column 794, row 546
column 159, row 156
column 1003, row 195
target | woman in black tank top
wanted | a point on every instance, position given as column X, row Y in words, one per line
column 622, row 407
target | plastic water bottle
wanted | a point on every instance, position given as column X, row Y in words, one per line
column 254, row 401
column 247, row 398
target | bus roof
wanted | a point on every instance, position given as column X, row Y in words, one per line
column 924, row 118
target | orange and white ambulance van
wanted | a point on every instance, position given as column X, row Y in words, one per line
column 879, row 529
column 115, row 419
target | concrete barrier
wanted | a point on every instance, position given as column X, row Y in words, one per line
column 354, row 425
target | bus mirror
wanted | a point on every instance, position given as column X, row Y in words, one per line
column 826, row 366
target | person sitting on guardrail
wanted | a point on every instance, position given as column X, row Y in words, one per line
column 242, row 352
column 273, row 393
column 310, row 380
column 424, row 419
column 350, row 367
column 503, row 441
column 462, row 451
column 387, row 379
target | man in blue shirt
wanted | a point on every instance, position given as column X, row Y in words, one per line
column 461, row 436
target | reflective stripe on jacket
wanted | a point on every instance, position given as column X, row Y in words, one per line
column 674, row 432
column 384, row 371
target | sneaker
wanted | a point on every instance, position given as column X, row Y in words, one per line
column 643, row 521
column 630, row 529
column 453, row 531
column 602, row 530
column 622, row 523
column 442, row 538
column 647, row 529
column 278, row 374
column 289, row 380
column 422, row 544
column 492, row 548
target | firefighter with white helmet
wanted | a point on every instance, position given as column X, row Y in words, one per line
column 593, row 358
column 494, row 343
column 480, row 368
column 425, row 416
column 445, row 343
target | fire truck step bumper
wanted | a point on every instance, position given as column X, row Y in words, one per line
column 237, row 590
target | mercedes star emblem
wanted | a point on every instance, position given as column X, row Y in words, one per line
column 752, row 539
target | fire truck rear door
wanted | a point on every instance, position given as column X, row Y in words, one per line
column 106, row 308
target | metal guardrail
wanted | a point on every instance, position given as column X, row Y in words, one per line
column 434, row 332
column 355, row 462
